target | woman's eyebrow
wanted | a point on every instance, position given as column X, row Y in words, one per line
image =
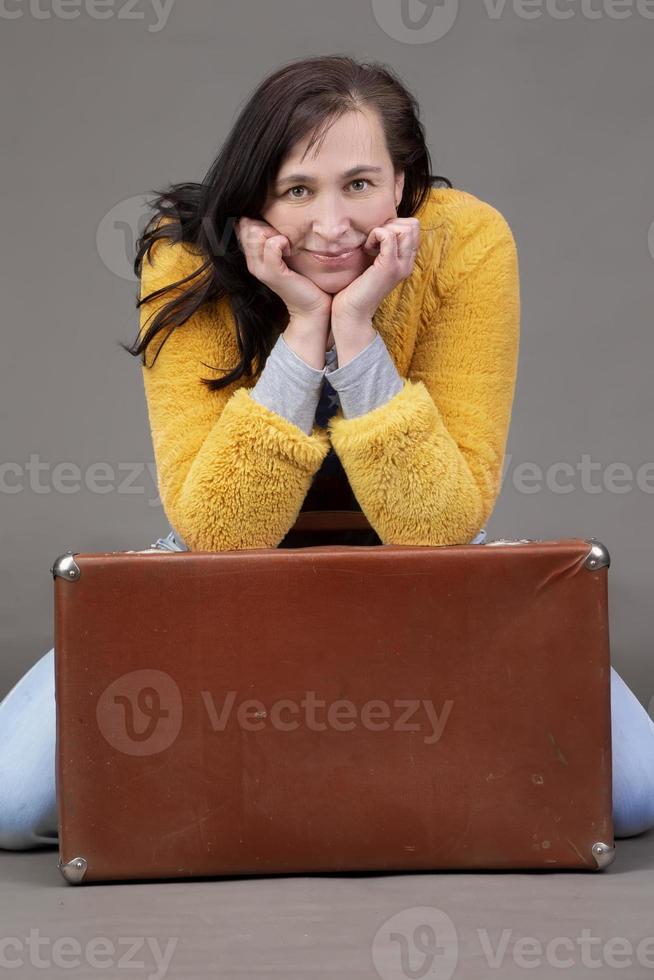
column 352, row 172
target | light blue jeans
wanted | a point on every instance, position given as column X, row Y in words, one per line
column 28, row 805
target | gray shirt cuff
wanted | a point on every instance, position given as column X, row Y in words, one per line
column 289, row 386
column 369, row 380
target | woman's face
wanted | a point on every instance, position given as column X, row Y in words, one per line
column 320, row 207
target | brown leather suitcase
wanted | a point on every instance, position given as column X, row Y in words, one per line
column 333, row 708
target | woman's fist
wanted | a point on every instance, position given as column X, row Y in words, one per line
column 264, row 249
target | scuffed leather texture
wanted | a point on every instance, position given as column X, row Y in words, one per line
column 509, row 644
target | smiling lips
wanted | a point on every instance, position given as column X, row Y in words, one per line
column 336, row 260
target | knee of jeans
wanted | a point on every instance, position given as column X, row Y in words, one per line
column 26, row 823
column 633, row 802
column 635, row 815
column 17, row 829
column 27, row 763
column 24, row 809
column 632, row 735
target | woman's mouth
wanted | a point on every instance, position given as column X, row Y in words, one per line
column 336, row 260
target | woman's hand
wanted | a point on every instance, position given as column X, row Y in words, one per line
column 396, row 252
column 264, row 249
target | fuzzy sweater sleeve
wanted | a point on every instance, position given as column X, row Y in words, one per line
column 426, row 466
column 232, row 474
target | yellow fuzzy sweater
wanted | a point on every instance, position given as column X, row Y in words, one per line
column 425, row 466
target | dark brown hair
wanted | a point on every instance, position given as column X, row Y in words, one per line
column 304, row 96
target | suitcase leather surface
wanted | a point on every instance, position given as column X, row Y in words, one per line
column 487, row 744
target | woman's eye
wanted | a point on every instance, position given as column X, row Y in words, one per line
column 357, row 180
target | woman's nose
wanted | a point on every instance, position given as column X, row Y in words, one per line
column 330, row 232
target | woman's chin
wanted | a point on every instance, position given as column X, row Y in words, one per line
column 333, row 288
column 333, row 282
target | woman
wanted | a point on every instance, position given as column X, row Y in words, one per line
column 381, row 380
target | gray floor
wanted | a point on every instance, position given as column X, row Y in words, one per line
column 327, row 926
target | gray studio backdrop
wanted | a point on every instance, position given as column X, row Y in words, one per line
column 543, row 109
